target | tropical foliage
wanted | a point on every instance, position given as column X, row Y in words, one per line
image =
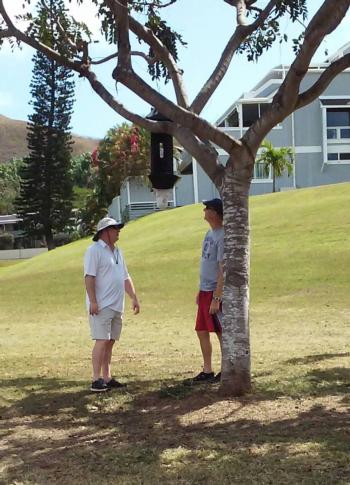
column 9, row 185
column 276, row 161
column 124, row 152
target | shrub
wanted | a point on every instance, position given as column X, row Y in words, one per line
column 6, row 240
column 62, row 238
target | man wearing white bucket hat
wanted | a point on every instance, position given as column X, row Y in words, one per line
column 106, row 281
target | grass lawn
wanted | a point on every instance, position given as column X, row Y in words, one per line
column 8, row 262
column 292, row 429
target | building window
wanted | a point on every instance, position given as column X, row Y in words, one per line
column 344, row 132
column 332, row 156
column 338, row 123
column 259, row 172
column 233, row 119
column 252, row 112
column 336, row 157
column 338, row 117
column 331, row 133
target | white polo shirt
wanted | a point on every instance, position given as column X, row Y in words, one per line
column 110, row 272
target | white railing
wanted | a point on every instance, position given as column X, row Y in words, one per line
column 139, row 209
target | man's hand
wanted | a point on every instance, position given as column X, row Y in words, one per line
column 93, row 309
column 214, row 307
column 135, row 305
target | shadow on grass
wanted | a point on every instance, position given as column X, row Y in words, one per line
column 311, row 359
column 58, row 432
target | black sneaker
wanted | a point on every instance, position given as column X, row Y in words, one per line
column 99, row 386
column 113, row 384
column 203, row 377
column 217, row 378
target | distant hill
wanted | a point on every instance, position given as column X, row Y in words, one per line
column 13, row 141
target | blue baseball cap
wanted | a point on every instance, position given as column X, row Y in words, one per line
column 215, row 205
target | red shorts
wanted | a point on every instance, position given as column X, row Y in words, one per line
column 205, row 321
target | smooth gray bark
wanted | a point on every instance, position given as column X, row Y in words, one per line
column 235, row 338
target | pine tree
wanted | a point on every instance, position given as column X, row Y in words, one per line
column 45, row 200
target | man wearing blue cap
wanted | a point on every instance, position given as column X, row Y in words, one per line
column 106, row 281
column 209, row 314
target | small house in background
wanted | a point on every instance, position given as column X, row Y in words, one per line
column 319, row 135
column 10, row 224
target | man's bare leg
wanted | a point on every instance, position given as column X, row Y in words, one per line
column 204, row 340
column 106, row 361
column 98, row 352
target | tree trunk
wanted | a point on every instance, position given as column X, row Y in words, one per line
column 49, row 239
column 235, row 380
column 273, row 180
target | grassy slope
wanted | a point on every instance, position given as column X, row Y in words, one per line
column 300, row 334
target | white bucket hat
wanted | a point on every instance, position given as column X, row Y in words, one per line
column 104, row 223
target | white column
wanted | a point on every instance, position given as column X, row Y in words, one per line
column 240, row 118
column 324, row 137
column 195, row 180
column 295, row 156
column 128, row 191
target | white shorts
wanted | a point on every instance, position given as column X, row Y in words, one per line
column 106, row 325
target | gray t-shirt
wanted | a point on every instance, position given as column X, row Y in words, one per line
column 212, row 254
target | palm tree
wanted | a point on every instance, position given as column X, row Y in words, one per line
column 276, row 159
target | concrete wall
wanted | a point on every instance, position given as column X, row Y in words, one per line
column 21, row 253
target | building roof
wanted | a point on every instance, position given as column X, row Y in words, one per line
column 9, row 219
column 274, row 77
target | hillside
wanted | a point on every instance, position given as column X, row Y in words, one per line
column 13, row 142
column 293, row 428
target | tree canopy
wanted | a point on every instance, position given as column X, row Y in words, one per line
column 45, row 199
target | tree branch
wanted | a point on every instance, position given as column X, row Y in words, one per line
column 119, row 8
column 323, row 81
column 124, row 73
column 148, row 59
column 153, row 126
column 287, row 98
column 4, row 33
column 205, row 154
column 202, row 128
column 39, row 46
column 151, row 4
column 240, row 34
column 124, row 21
column 323, row 23
column 164, row 55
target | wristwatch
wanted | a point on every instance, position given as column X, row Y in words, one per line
column 216, row 298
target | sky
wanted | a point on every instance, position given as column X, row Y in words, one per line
column 206, row 25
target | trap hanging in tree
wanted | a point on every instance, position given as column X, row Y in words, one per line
column 162, row 175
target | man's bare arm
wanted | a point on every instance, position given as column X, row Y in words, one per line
column 130, row 290
column 217, row 293
column 90, row 289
